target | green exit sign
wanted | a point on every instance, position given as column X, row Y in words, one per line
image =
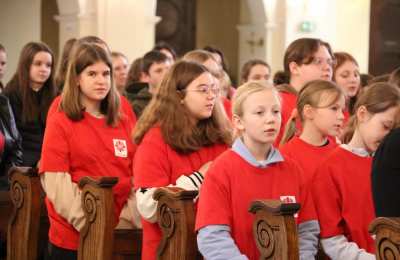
column 307, row 26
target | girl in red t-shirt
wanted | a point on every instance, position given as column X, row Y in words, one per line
column 305, row 59
column 346, row 74
column 252, row 169
column 342, row 184
column 89, row 134
column 319, row 107
column 179, row 133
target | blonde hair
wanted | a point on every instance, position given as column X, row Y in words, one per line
column 312, row 94
column 246, row 90
column 376, row 98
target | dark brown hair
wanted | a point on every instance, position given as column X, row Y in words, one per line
column 301, row 51
column 84, row 55
column 135, row 71
column 177, row 126
column 245, row 72
column 32, row 109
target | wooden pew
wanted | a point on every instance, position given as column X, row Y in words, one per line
column 275, row 229
column 5, row 209
column 387, row 241
column 98, row 239
column 28, row 224
column 176, row 218
column 26, row 227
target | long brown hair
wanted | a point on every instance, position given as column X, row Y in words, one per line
column 177, row 127
column 311, row 94
column 32, row 108
column 84, row 55
column 376, row 98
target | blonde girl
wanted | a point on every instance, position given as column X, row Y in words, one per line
column 320, row 106
column 252, row 169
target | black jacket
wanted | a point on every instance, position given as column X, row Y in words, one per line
column 32, row 133
column 386, row 176
column 11, row 155
column 139, row 96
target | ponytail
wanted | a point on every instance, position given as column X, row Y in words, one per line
column 349, row 130
column 290, row 128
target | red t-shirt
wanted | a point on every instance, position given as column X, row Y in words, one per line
column 288, row 101
column 87, row 147
column 158, row 165
column 307, row 156
column 343, row 197
column 232, row 184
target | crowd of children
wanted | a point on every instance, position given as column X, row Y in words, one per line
column 168, row 122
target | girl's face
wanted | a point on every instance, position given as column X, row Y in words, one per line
column 120, row 69
column 200, row 96
column 347, row 77
column 40, row 69
column 259, row 72
column 374, row 127
column 3, row 63
column 95, row 83
column 261, row 119
column 327, row 119
column 319, row 68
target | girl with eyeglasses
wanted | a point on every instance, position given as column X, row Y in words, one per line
column 180, row 133
column 207, row 59
column 305, row 59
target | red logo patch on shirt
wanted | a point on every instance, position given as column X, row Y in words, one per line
column 120, row 148
column 289, row 199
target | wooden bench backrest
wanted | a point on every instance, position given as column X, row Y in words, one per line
column 176, row 218
column 275, row 229
column 98, row 239
column 387, row 240
column 98, row 235
column 23, row 228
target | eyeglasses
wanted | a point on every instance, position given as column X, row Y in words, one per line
column 320, row 61
column 206, row 90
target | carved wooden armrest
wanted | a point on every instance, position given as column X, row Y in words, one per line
column 96, row 237
column 176, row 218
column 23, row 227
column 387, row 241
column 275, row 229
